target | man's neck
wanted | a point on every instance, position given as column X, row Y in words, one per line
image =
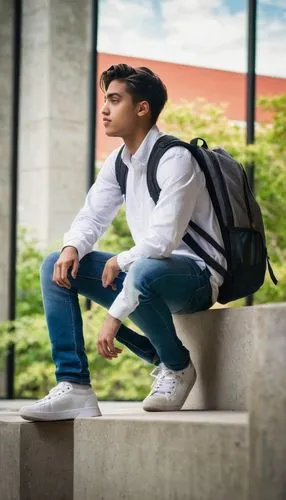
column 133, row 141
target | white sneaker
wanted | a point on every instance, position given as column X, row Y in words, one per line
column 170, row 389
column 64, row 402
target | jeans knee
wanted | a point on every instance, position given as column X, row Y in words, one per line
column 142, row 272
column 47, row 266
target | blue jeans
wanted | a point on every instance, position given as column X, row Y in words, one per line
column 172, row 285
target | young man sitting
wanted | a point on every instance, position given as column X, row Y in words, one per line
column 160, row 275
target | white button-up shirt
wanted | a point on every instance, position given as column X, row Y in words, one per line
column 157, row 230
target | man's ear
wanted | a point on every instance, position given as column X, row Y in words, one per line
column 143, row 108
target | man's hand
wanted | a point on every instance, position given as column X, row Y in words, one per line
column 68, row 258
column 110, row 272
column 105, row 343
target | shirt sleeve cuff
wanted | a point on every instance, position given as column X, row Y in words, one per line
column 123, row 261
column 116, row 311
column 77, row 246
column 121, row 309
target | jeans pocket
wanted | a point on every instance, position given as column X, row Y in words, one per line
column 200, row 300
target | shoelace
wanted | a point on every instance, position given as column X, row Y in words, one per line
column 166, row 381
column 60, row 388
column 156, row 372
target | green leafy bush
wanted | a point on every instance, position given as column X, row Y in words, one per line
column 29, row 259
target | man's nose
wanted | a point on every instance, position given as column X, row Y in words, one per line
column 105, row 109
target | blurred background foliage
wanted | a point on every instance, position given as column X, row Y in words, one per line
column 127, row 377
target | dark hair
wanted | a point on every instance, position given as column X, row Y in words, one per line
column 141, row 83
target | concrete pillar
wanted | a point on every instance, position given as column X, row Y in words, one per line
column 267, row 427
column 53, row 126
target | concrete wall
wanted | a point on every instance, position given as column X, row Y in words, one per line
column 54, row 100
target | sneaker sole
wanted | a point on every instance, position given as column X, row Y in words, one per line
column 170, row 408
column 62, row 415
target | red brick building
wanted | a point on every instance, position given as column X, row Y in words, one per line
column 190, row 82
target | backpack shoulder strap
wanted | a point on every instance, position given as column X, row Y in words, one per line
column 160, row 147
column 121, row 171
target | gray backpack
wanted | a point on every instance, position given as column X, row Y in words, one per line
column 238, row 214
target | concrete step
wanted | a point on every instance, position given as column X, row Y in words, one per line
column 36, row 460
column 127, row 453
column 183, row 455
column 240, row 358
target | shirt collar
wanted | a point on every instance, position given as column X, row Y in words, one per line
column 143, row 152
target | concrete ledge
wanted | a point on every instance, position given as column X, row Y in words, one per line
column 240, row 356
column 183, row 455
column 129, row 454
column 36, row 459
column 221, row 343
